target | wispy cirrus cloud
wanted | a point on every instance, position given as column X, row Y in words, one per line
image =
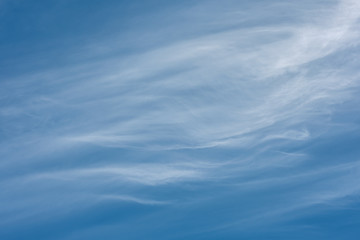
column 161, row 98
column 266, row 91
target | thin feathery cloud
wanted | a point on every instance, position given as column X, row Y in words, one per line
column 237, row 110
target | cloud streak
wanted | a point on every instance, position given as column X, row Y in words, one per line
column 237, row 108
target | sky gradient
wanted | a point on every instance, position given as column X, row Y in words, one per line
column 179, row 119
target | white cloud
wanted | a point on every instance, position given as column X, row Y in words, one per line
column 239, row 88
column 147, row 174
column 132, row 199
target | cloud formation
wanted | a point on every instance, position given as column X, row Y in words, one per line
column 241, row 108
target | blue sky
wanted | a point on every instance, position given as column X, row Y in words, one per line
column 179, row 119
